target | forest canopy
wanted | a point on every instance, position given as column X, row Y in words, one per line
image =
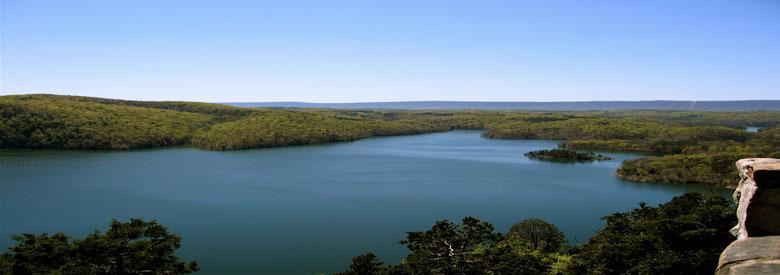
column 133, row 247
column 683, row 236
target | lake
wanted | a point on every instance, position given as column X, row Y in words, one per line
column 310, row 209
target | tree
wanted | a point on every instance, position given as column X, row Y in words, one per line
column 37, row 254
column 366, row 264
column 126, row 248
column 445, row 248
column 504, row 260
column 683, row 236
column 537, row 234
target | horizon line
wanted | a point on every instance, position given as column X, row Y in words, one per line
column 396, row 101
column 489, row 101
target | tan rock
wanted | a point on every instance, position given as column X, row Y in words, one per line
column 757, row 248
column 755, row 255
column 758, row 198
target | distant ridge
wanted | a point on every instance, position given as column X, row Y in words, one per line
column 737, row 105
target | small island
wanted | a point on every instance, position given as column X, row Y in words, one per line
column 565, row 155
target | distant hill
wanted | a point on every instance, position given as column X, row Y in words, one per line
column 739, row 105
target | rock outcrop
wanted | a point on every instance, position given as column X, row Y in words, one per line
column 757, row 248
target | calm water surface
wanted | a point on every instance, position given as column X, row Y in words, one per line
column 304, row 210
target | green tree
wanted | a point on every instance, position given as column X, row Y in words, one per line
column 37, row 254
column 501, row 259
column 366, row 264
column 537, row 234
column 126, row 248
column 683, row 236
column 445, row 249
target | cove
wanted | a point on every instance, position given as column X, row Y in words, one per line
column 309, row 209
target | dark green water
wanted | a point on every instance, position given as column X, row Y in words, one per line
column 303, row 210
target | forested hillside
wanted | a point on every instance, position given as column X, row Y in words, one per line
column 702, row 149
column 275, row 128
column 41, row 121
column 685, row 146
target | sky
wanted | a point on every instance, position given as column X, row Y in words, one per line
column 396, row 50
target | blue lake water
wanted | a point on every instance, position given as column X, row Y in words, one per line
column 309, row 209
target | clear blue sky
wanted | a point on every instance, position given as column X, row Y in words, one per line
column 348, row 51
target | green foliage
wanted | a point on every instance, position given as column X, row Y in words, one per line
column 504, row 260
column 536, row 234
column 471, row 247
column 565, row 155
column 366, row 264
column 39, row 121
column 693, row 147
column 700, row 118
column 568, row 128
column 38, row 254
column 561, row 264
column 126, row 248
column 447, row 247
column 715, row 169
column 616, row 133
column 683, row 236
column 704, row 162
column 281, row 128
column 70, row 122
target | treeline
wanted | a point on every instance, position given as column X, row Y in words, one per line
column 683, row 236
column 133, row 247
column 687, row 146
column 69, row 122
column 40, row 121
column 713, row 168
column 616, row 134
column 699, row 118
column 283, row 128
column 218, row 112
